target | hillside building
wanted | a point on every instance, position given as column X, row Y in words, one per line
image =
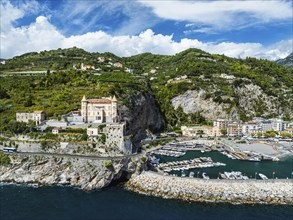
column 37, row 116
column 102, row 110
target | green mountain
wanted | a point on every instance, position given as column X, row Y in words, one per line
column 287, row 61
column 154, row 91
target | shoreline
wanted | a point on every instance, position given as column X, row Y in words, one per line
column 275, row 192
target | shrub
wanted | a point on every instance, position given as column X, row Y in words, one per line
column 107, row 164
column 143, row 159
column 4, row 159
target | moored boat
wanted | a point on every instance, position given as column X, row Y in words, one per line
column 262, row 176
column 205, row 176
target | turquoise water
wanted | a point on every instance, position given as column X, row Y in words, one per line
column 282, row 168
column 50, row 203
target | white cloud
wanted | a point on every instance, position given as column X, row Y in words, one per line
column 222, row 14
column 42, row 35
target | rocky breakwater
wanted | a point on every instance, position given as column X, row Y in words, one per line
column 231, row 191
column 87, row 174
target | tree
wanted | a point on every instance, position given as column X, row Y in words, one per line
column 84, row 137
column 286, row 135
column 28, row 102
column 200, row 132
column 4, row 94
column 224, row 132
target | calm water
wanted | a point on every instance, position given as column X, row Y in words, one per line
column 282, row 168
column 29, row 203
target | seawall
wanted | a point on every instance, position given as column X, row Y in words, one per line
column 279, row 191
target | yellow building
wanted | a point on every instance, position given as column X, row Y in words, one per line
column 205, row 131
column 102, row 110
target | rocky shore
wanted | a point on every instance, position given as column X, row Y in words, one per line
column 83, row 173
column 231, row 191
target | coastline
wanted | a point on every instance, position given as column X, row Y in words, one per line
column 274, row 192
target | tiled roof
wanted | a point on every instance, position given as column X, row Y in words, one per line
column 38, row 111
column 99, row 100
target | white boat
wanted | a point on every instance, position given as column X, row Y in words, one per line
column 229, row 176
column 262, row 176
column 223, row 176
column 205, row 176
column 254, row 159
column 202, row 151
column 191, row 174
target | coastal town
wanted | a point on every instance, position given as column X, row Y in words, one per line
column 103, row 133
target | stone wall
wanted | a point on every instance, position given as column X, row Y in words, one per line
column 231, row 191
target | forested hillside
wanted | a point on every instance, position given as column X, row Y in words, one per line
column 192, row 87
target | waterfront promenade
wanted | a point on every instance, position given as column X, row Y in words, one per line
column 275, row 191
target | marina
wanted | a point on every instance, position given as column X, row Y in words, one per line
column 271, row 169
column 202, row 162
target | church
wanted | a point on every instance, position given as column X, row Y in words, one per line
column 99, row 110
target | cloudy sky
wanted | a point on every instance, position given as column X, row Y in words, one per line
column 254, row 28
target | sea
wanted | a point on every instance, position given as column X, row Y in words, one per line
column 28, row 202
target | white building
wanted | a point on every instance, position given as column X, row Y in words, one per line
column 37, row 116
column 221, row 124
column 277, row 125
column 266, row 125
column 56, row 130
column 103, row 110
column 250, row 127
column 93, row 132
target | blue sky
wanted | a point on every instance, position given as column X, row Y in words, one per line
column 256, row 28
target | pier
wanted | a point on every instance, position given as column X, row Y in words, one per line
column 213, row 190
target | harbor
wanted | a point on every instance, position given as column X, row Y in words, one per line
column 202, row 162
column 281, row 169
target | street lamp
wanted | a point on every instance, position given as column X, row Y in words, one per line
column 273, row 175
column 197, row 174
column 255, row 175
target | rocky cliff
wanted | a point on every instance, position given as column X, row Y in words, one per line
column 193, row 101
column 87, row 174
column 142, row 113
column 249, row 100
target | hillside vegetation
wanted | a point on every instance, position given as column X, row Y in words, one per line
column 191, row 87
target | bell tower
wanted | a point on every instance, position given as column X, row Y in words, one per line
column 114, row 110
column 84, row 109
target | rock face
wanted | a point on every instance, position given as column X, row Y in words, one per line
column 231, row 191
column 287, row 61
column 142, row 113
column 86, row 174
column 251, row 100
column 195, row 101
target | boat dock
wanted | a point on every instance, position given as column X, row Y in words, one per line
column 168, row 152
column 202, row 162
